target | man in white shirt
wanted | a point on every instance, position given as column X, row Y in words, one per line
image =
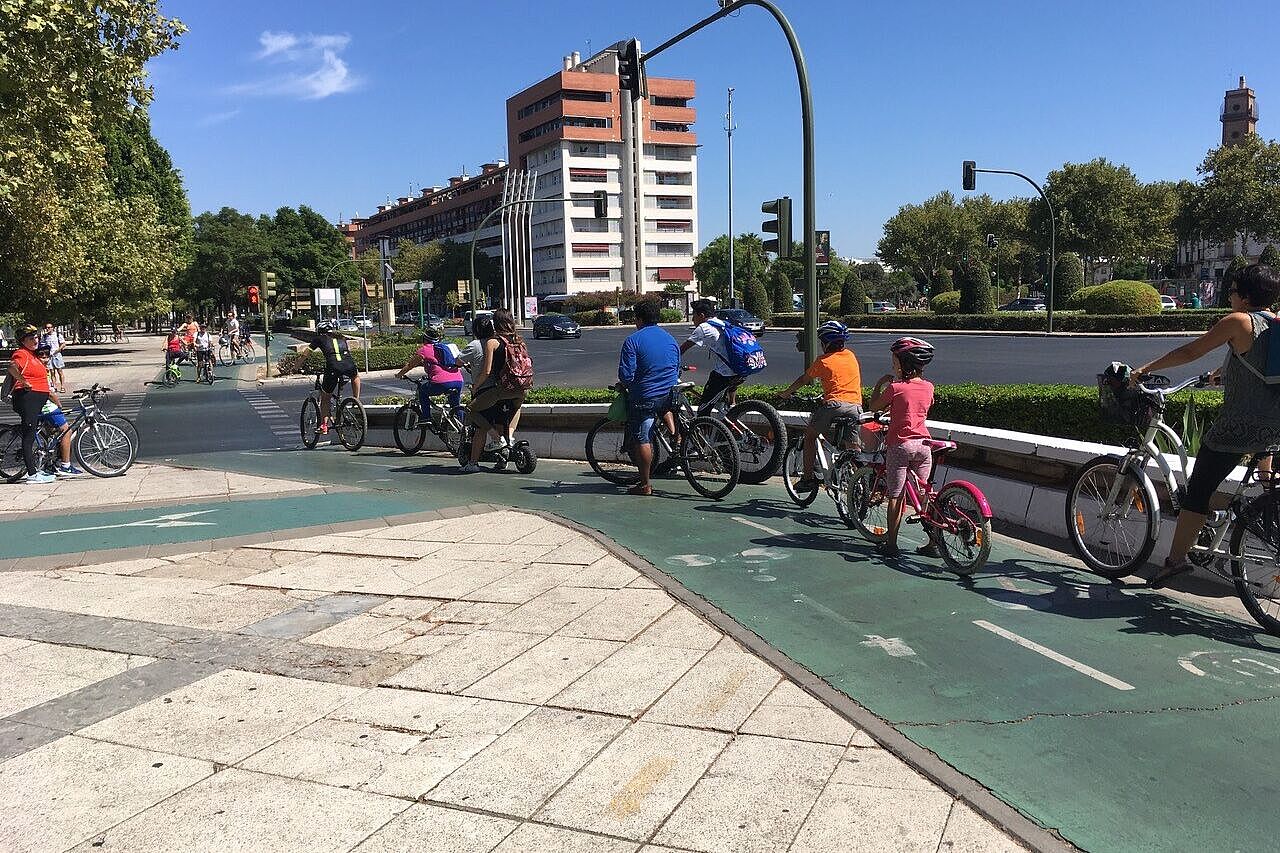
column 709, row 334
column 53, row 339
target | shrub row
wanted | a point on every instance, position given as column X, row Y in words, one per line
column 1037, row 321
column 1117, row 297
column 1065, row 411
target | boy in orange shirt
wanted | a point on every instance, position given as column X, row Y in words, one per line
column 841, row 377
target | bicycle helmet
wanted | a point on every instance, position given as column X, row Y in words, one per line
column 324, row 328
column 28, row 331
column 912, row 353
column 430, row 335
column 832, row 331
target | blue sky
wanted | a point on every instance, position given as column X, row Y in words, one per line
column 340, row 105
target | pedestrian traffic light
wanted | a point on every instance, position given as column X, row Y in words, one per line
column 780, row 225
column 630, row 71
column 970, row 177
column 267, row 281
column 992, row 242
column 253, row 294
column 601, row 204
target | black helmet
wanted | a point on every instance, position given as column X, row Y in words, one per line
column 325, row 328
column 430, row 335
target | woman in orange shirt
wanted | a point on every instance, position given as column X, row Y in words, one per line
column 30, row 391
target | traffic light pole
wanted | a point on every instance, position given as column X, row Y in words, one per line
column 811, row 299
column 1053, row 234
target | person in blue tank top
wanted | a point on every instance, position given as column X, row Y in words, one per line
column 648, row 368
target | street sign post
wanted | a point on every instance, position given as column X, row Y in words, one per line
column 423, row 287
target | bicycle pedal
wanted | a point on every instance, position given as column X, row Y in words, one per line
column 915, row 519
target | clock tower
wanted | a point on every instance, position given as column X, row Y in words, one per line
column 1239, row 114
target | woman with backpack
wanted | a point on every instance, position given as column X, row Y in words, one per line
column 505, row 374
column 444, row 376
column 1250, row 418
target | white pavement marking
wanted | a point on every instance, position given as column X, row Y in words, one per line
column 277, row 419
column 172, row 520
column 1190, row 667
column 893, row 646
column 749, row 523
column 129, row 404
column 1084, row 669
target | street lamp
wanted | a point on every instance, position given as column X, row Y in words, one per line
column 969, row 181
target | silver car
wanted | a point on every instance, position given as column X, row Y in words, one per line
column 744, row 318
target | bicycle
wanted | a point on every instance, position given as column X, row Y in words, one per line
column 833, row 466
column 119, row 336
column 703, row 446
column 100, row 444
column 410, row 426
column 758, row 428
column 247, row 350
column 228, row 353
column 519, row 452
column 956, row 518
column 1113, row 510
column 349, row 420
column 204, row 369
column 172, row 375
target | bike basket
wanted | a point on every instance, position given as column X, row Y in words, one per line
column 1120, row 404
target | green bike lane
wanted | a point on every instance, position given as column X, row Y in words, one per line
column 1122, row 718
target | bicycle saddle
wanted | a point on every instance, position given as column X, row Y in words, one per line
column 684, row 386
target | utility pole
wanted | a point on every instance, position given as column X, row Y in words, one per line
column 728, row 129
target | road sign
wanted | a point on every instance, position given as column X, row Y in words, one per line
column 327, row 296
column 406, row 285
column 531, row 306
column 302, row 299
column 822, row 248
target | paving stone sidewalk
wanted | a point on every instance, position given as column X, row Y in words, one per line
column 422, row 687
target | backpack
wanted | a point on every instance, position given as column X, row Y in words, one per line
column 1268, row 343
column 446, row 355
column 517, row 371
column 746, row 356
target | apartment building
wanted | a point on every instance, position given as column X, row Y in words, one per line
column 569, row 129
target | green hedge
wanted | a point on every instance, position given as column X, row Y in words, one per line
column 595, row 318
column 1037, row 321
column 946, row 303
column 1066, row 411
column 1117, row 297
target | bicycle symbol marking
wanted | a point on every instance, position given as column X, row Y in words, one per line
column 1231, row 668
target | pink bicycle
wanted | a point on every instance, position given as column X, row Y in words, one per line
column 956, row 518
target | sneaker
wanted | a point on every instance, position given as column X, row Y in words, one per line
column 928, row 550
column 807, row 484
column 470, row 468
column 324, row 428
column 67, row 471
column 39, row 478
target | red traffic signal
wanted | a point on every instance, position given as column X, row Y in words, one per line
column 253, row 294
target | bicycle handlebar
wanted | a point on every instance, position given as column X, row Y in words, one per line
column 1159, row 386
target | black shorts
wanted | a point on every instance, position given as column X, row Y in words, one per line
column 330, row 380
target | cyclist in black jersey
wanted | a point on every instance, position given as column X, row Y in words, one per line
column 338, row 362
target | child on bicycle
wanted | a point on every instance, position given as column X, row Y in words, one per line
column 204, row 348
column 841, row 377
column 172, row 348
column 51, row 414
column 444, row 375
column 906, row 395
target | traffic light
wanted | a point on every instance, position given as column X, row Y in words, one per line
column 253, row 294
column 780, row 225
column 267, row 281
column 992, row 242
column 630, row 71
column 970, row 176
column 601, row 204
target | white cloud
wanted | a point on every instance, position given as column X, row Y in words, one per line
column 316, row 69
column 216, row 118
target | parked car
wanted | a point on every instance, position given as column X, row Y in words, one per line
column 435, row 323
column 882, row 308
column 1024, row 304
column 467, row 320
column 346, row 324
column 1168, row 303
column 744, row 318
column 555, row 326
column 364, row 321
column 406, row 318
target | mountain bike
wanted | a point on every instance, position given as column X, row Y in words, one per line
column 956, row 518
column 1113, row 509
column 411, row 425
column 758, row 429
column 349, row 420
column 227, row 353
column 204, row 369
column 98, row 443
column 834, row 464
column 703, row 446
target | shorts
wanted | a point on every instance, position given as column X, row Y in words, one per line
column 329, row 383
column 56, row 362
column 912, row 455
column 822, row 418
column 641, row 415
column 54, row 419
column 493, row 406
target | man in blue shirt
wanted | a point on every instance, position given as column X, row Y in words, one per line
column 648, row 369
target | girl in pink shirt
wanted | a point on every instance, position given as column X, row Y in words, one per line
column 907, row 396
column 442, row 377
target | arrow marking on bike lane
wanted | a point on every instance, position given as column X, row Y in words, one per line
column 1084, row 669
column 893, row 646
column 176, row 519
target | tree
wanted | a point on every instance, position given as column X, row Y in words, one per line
column 853, row 298
column 711, row 265
column 1068, row 277
column 757, row 299
column 942, row 282
column 974, row 281
column 1099, row 206
column 1130, row 269
column 923, row 239
column 1240, row 191
column 780, row 288
column 871, row 272
column 307, row 251
column 228, row 250
column 1270, row 256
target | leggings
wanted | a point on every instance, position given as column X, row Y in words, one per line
column 1212, row 467
column 27, row 404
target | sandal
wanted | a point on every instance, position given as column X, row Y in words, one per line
column 927, row 550
column 884, row 549
column 1168, row 572
column 644, row 491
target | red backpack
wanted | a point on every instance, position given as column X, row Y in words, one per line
column 517, row 371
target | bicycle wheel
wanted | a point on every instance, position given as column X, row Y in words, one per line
column 845, row 467
column 172, row 376
column 13, row 465
column 129, row 429
column 1111, row 540
column 608, row 453
column 408, row 429
column 104, row 449
column 351, row 424
column 1255, row 564
column 248, row 352
column 867, row 504
column 710, row 456
column 962, row 534
column 309, row 422
column 792, row 471
column 762, row 442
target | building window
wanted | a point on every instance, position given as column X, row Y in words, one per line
column 672, row 179
column 669, row 152
column 669, row 126
column 591, row 274
column 664, row 101
column 578, row 95
column 539, row 106
column 668, row 250
column 673, row 226
column 588, row 149
column 670, row 202
column 589, row 176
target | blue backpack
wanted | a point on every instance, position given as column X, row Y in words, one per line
column 1268, row 343
column 745, row 355
column 446, row 355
